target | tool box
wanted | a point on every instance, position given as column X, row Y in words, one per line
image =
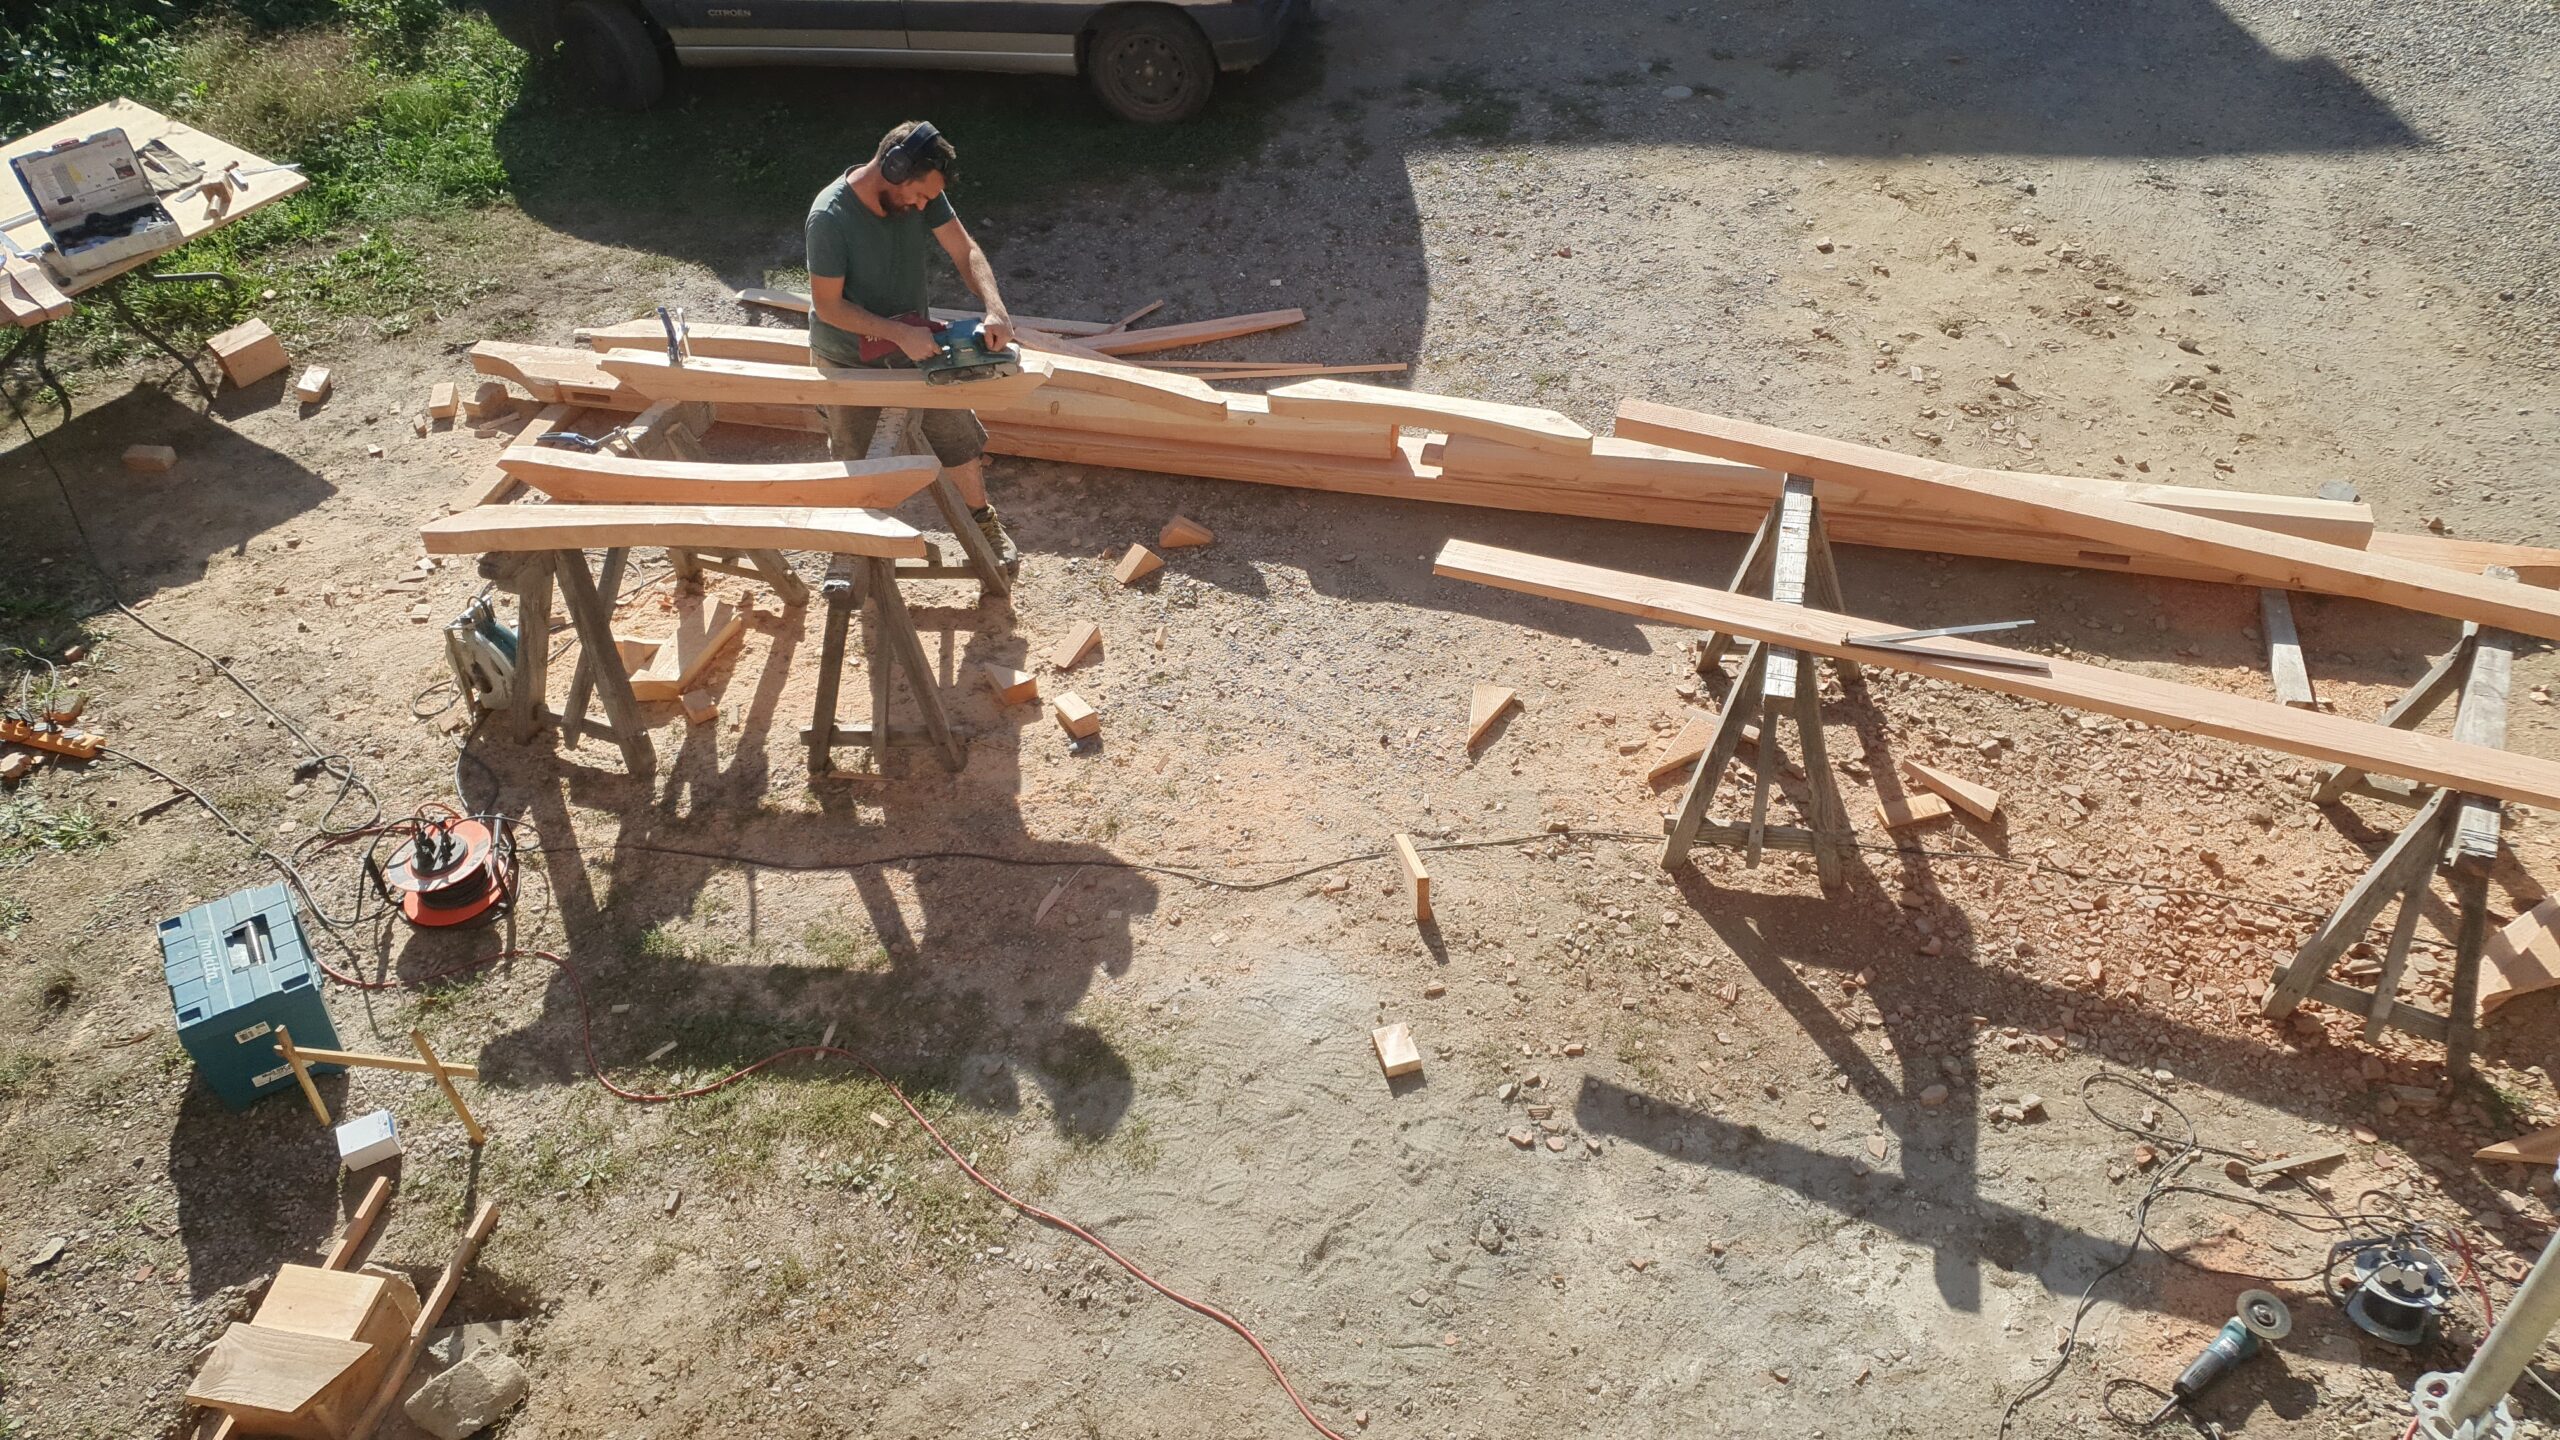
column 97, row 205
column 237, row 968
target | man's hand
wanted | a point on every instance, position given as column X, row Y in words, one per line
column 917, row 342
column 997, row 330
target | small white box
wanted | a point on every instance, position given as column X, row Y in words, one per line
column 367, row 1140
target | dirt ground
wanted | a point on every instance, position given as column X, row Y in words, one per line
column 1704, row 1153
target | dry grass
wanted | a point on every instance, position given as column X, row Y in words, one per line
column 278, row 95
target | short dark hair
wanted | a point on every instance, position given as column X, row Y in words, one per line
column 939, row 155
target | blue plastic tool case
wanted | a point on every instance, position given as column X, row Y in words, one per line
column 237, row 968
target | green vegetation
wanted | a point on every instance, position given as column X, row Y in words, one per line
column 14, row 913
column 29, row 827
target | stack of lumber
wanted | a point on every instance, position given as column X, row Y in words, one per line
column 1663, row 466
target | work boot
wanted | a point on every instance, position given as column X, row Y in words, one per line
column 991, row 525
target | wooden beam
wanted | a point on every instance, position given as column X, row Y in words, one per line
column 1522, row 425
column 408, row 1063
column 491, row 485
column 1197, row 332
column 2533, row 564
column 555, row 376
column 1243, row 421
column 2282, row 561
column 301, row 1067
column 2164, row 703
column 1177, row 393
column 702, row 527
column 756, row 383
column 2542, row 1148
column 613, row 480
column 444, row 1082
column 342, row 1256
column 2291, row 677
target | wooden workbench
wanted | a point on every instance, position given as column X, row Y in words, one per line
column 142, row 125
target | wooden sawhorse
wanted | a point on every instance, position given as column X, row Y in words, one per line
column 2457, row 834
column 1791, row 554
column 868, row 585
column 532, row 578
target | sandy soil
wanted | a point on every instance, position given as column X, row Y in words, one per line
column 1738, row 1210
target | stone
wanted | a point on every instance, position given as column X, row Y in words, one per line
column 469, row 1397
column 2031, row 1107
column 1489, row 1236
column 1934, row 1096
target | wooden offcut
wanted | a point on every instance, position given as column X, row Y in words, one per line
column 1416, row 878
column 1182, row 532
column 2285, row 667
column 1484, row 707
column 2104, row 522
column 1178, row 394
column 585, row 478
column 1075, row 715
column 1197, row 332
column 1397, row 1054
column 2475, row 769
column 704, row 628
column 1011, row 686
column 444, row 400
column 150, row 459
column 313, row 387
column 502, row 528
column 1139, row 563
column 248, row 353
column 487, row 399
column 285, row 1383
column 1905, row 810
column 1521, row 425
column 1079, row 643
column 2522, row 957
column 2541, row 1148
column 1979, row 801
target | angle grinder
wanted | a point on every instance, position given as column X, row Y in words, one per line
column 2262, row 1318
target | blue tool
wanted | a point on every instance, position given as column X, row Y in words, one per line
column 2261, row 1318
column 965, row 356
column 237, row 968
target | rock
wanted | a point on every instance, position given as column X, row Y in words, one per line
column 2366, row 1137
column 1574, row 1049
column 1434, row 990
column 1556, row 1143
column 1489, row 1236
column 1524, row 1139
column 469, row 1397
column 1677, row 92
column 1824, row 245
column 2031, row 1106
column 1934, row 1096
column 46, row 1253
column 1508, row 1090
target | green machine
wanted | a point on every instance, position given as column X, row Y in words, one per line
column 237, row 968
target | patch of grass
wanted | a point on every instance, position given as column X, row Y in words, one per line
column 29, row 827
column 14, row 913
column 844, row 946
column 26, row 1075
column 1480, row 113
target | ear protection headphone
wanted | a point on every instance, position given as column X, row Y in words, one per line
column 912, row 157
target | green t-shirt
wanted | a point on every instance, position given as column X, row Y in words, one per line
column 880, row 257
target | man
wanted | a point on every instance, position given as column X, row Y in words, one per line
column 867, row 290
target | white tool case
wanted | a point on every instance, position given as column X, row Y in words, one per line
column 96, row 203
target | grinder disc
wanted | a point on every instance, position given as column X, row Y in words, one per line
column 2264, row 1315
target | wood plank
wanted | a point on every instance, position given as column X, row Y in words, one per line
column 704, row 628
column 2291, row 677
column 409, row 1063
column 1911, row 810
column 1979, row 801
column 1197, row 332
column 1244, row 420
column 342, row 1256
column 2542, row 1148
column 702, row 527
column 1397, row 1054
column 1689, row 744
column 1177, row 393
column 2522, row 957
column 2533, row 564
column 2164, row 703
column 1486, row 706
column 1522, row 425
column 752, row 382
column 430, row 1314
column 260, row 184
column 2282, row 561
column 279, row 1372
column 599, row 478
column 1416, row 878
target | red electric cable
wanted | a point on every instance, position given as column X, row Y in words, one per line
column 586, row 1040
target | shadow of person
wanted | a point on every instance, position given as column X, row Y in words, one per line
column 234, row 1220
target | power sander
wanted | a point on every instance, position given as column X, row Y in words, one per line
column 2262, row 1318
column 966, row 356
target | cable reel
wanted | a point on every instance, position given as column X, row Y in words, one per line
column 454, row 869
column 2398, row 1289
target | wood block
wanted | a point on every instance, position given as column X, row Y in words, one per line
column 1397, row 1054
column 635, row 654
column 1979, row 801
column 1012, row 686
column 313, row 387
column 700, row 708
column 1078, row 644
column 2522, row 957
column 1486, row 707
column 341, row 1304
column 487, row 399
column 1137, row 565
column 248, row 352
column 279, row 1382
column 1181, row 532
column 1078, row 719
column 444, row 400
column 1912, row 810
column 704, row 628
column 1416, row 877
column 150, row 459
column 2542, row 1148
